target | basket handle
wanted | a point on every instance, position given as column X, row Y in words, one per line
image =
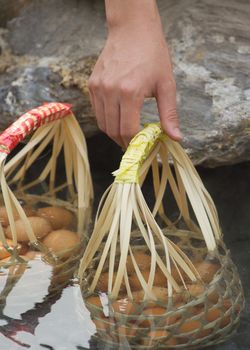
column 138, row 150
column 31, row 121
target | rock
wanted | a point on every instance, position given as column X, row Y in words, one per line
column 210, row 57
column 10, row 9
column 29, row 86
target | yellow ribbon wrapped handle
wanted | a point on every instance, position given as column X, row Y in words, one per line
column 138, row 150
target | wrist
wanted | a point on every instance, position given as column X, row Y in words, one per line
column 131, row 14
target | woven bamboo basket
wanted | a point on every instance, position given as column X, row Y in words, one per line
column 46, row 194
column 150, row 282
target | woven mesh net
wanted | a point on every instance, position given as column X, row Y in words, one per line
column 154, row 282
column 45, row 198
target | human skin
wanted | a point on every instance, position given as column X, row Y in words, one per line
column 134, row 64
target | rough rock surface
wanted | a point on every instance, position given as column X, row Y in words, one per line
column 47, row 52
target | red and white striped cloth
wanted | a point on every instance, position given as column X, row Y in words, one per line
column 29, row 122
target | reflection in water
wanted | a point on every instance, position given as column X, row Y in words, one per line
column 35, row 314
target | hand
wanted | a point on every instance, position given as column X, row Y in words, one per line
column 134, row 64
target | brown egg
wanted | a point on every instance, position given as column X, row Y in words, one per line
column 24, row 248
column 94, row 305
column 34, row 255
column 102, row 284
column 227, row 304
column 225, row 321
column 213, row 296
column 183, row 306
column 213, row 314
column 154, row 311
column 171, row 341
column 124, row 306
column 195, row 290
column 161, row 295
column 58, row 217
column 143, row 260
column 151, row 311
column 158, row 336
column 103, row 323
column 175, row 274
column 100, row 324
column 189, row 326
column 126, row 331
column 95, row 301
column 41, row 227
column 106, row 326
column 207, row 270
column 4, row 253
column 60, row 240
column 4, row 216
column 227, row 318
column 160, row 279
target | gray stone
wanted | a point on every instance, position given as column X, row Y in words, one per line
column 10, row 9
column 58, row 41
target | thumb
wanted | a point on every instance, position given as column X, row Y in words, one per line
column 166, row 102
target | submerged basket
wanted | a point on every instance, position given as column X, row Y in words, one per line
column 151, row 282
column 46, row 193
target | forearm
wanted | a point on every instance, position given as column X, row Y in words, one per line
column 131, row 13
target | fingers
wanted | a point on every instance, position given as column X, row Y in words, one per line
column 117, row 111
column 166, row 102
column 112, row 118
column 129, row 118
column 97, row 104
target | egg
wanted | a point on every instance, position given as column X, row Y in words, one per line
column 142, row 259
column 227, row 315
column 158, row 336
column 161, row 295
column 58, row 217
column 213, row 296
column 4, row 220
column 124, row 306
column 94, row 305
column 41, row 227
column 207, row 270
column 34, row 255
column 148, row 313
column 154, row 311
column 60, row 240
column 4, row 253
column 190, row 326
column 100, row 325
column 160, row 279
column 176, row 275
column 126, row 331
column 95, row 301
column 102, row 284
column 103, row 323
column 185, row 308
column 105, row 326
column 171, row 341
column 24, row 248
column 195, row 290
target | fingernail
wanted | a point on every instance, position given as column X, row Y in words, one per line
column 178, row 133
